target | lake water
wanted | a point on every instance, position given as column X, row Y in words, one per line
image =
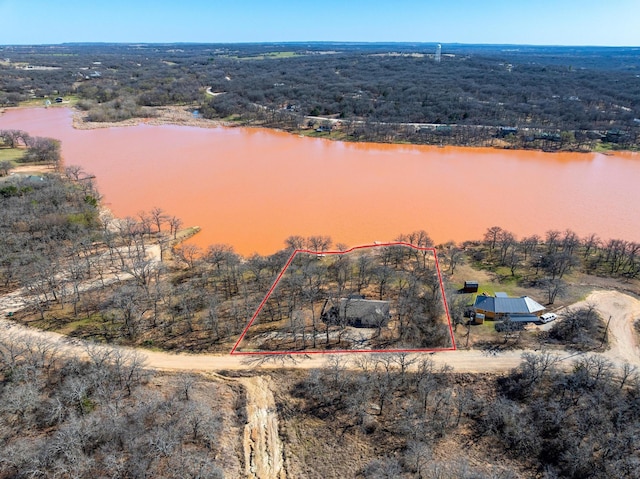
column 252, row 188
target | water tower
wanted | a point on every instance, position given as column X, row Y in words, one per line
column 438, row 56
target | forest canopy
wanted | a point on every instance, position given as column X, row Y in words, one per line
column 571, row 95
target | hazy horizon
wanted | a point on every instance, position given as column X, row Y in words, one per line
column 491, row 22
column 324, row 42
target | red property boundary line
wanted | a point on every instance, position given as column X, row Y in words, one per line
column 345, row 351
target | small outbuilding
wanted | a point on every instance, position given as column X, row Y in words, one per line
column 470, row 287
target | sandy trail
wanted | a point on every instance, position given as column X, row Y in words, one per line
column 264, row 455
column 210, row 92
column 623, row 311
column 32, row 169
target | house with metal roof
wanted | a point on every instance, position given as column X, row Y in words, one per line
column 501, row 306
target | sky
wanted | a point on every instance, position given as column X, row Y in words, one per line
column 533, row 22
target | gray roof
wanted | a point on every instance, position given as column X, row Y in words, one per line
column 363, row 308
column 526, row 318
column 502, row 305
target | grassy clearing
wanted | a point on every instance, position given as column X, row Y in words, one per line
column 335, row 135
column 268, row 56
column 12, row 154
column 68, row 100
column 604, row 147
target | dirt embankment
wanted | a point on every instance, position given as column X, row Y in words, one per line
column 264, row 455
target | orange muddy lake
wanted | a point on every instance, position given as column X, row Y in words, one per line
column 252, row 188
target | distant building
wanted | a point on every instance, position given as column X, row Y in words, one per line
column 501, row 307
column 357, row 312
column 505, row 131
column 438, row 56
column 615, row 135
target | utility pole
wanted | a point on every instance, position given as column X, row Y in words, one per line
column 468, row 333
column 606, row 330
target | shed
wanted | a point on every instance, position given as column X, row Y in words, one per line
column 470, row 287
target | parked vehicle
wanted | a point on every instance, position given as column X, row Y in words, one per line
column 548, row 317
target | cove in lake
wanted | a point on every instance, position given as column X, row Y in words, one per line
column 252, row 188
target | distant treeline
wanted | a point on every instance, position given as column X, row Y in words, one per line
column 540, row 97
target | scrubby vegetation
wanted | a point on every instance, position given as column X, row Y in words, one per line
column 393, row 417
column 43, row 218
column 579, row 329
column 105, row 417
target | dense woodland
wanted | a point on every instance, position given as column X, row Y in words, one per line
column 527, row 97
column 536, row 421
column 106, row 417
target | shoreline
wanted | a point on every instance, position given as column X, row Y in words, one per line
column 183, row 116
column 166, row 115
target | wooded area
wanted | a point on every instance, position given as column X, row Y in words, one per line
column 386, row 297
column 67, row 417
column 106, row 416
column 398, row 416
column 526, row 97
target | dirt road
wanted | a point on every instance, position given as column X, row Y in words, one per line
column 262, row 445
column 622, row 308
column 623, row 311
